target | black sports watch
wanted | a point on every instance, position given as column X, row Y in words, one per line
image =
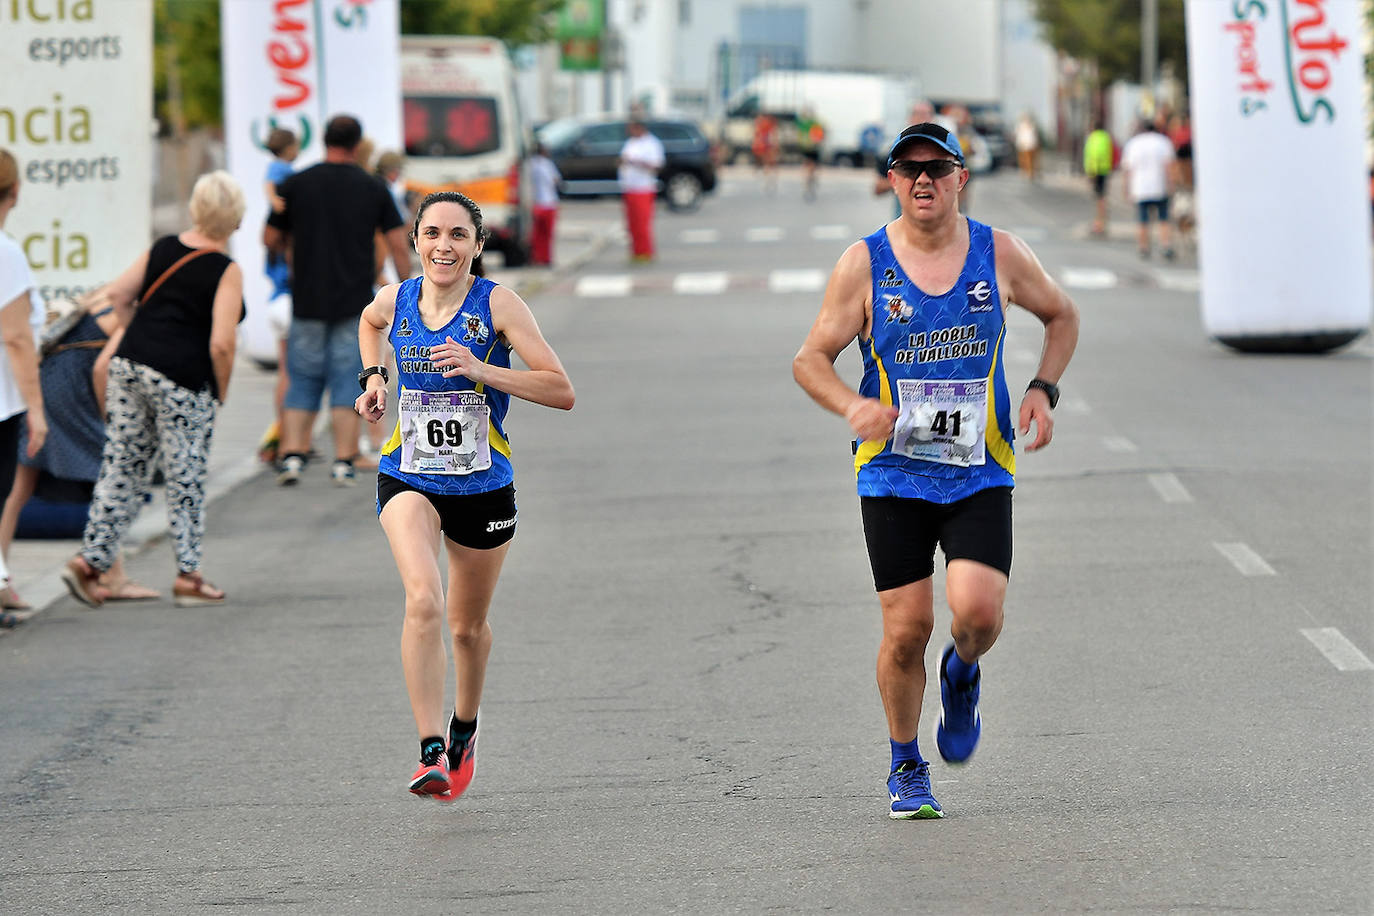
column 381, row 370
column 1050, row 388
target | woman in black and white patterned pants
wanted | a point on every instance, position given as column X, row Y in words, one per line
column 148, row 414
column 168, row 371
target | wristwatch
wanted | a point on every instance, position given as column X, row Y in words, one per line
column 1050, row 388
column 375, row 370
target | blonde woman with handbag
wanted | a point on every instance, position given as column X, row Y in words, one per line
column 180, row 304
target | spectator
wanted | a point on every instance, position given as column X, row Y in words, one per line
column 810, row 133
column 1098, row 156
column 284, row 147
column 640, row 159
column 21, row 315
column 1028, row 146
column 170, row 369
column 333, row 211
column 545, row 177
column 1148, row 159
column 765, row 149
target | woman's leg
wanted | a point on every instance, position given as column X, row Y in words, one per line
column 412, row 529
column 472, row 576
column 126, row 464
column 25, row 482
column 185, row 422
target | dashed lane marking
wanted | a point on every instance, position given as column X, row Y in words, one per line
column 700, row 284
column 1338, row 650
column 700, row 236
column 1245, row 560
column 601, row 286
column 1170, row 489
column 763, row 234
column 830, row 232
column 1088, row 278
column 796, row 281
column 1119, row 444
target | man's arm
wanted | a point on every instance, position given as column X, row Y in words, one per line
column 399, row 246
column 842, row 319
column 1024, row 282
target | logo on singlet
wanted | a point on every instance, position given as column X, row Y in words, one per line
column 897, row 309
column 889, row 278
column 403, row 329
column 979, row 296
column 474, row 328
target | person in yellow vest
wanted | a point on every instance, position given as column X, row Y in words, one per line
column 1098, row 153
column 810, row 133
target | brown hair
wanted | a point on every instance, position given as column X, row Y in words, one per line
column 279, row 140
column 9, row 172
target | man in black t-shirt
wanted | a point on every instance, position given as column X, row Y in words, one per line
column 333, row 212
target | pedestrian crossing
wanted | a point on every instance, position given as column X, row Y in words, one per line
column 813, row 280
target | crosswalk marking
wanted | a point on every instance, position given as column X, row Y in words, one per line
column 1338, row 650
column 1245, row 560
column 796, row 281
column 830, row 232
column 763, row 233
column 1088, row 278
column 700, row 236
column 1170, row 488
column 600, row 286
column 701, row 283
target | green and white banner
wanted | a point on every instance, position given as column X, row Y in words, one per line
column 76, row 110
column 1282, row 188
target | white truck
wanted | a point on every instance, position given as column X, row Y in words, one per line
column 859, row 112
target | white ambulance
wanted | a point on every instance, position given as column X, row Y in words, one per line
column 464, row 132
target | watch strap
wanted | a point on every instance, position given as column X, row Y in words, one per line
column 1050, row 388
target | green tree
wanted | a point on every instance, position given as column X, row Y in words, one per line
column 187, row 85
column 1107, row 33
column 517, row 22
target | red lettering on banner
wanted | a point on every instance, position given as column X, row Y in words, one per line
column 287, row 53
column 1247, row 61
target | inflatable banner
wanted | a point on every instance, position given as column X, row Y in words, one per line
column 294, row 64
column 1282, row 190
column 76, row 110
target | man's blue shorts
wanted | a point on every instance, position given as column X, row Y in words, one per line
column 322, row 354
column 1143, row 207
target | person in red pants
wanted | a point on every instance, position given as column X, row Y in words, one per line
column 546, row 178
column 640, row 159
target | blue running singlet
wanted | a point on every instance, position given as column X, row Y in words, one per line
column 939, row 360
column 449, row 439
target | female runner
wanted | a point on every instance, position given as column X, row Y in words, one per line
column 445, row 475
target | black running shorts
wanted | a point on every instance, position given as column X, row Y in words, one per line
column 479, row 520
column 902, row 534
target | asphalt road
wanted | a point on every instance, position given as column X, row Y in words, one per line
column 681, row 712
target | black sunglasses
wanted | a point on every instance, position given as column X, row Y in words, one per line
column 935, row 168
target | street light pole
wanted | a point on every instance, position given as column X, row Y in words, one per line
column 1149, row 52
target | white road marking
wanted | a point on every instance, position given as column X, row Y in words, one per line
column 705, row 283
column 700, row 236
column 1338, row 650
column 796, row 281
column 1183, row 281
column 1170, row 489
column 830, row 232
column 763, row 233
column 1088, row 278
column 1244, row 559
column 603, row 285
column 1119, row 444
column 1076, row 406
column 1020, row 356
column 1030, row 233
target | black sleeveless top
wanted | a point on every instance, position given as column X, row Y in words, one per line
column 171, row 331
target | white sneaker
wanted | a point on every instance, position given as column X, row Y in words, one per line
column 344, row 475
column 290, row 472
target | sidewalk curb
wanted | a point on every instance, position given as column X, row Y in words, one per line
column 150, row 528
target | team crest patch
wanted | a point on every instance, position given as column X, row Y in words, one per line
column 474, row 328
column 979, row 296
column 898, row 310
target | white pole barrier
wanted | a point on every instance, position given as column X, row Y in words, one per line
column 1282, row 190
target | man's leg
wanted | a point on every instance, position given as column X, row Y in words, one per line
column 976, row 593
column 305, row 370
column 908, row 619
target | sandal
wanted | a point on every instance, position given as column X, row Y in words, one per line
column 197, row 594
column 10, row 600
column 83, row 581
column 127, row 589
column 9, row 620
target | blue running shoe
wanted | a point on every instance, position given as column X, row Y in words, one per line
column 909, row 788
column 957, row 732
